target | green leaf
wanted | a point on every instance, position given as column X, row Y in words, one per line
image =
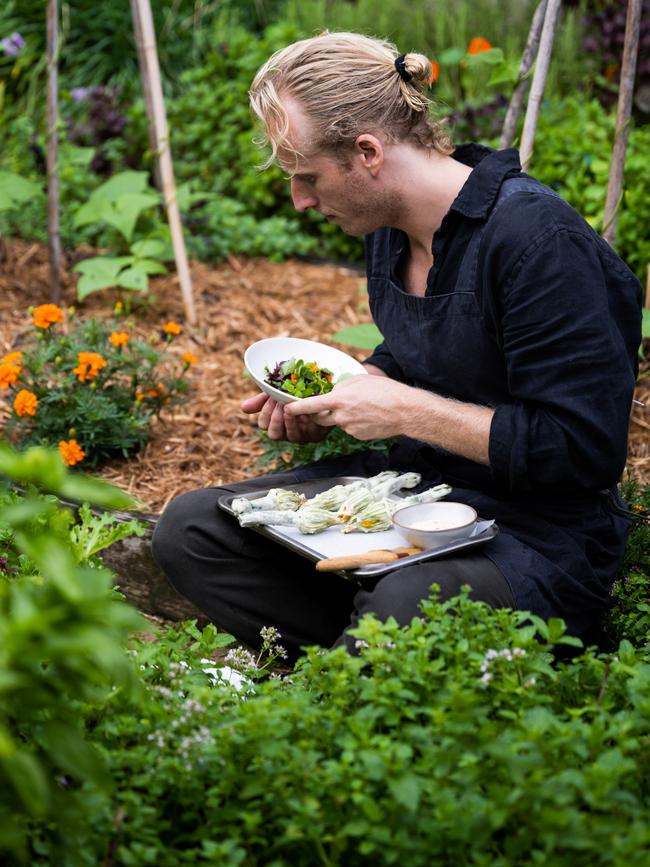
column 134, row 278
column 364, row 336
column 73, row 754
column 150, row 266
column 451, row 56
column 406, row 791
column 29, row 781
column 645, row 325
column 152, row 248
column 84, row 489
column 126, row 209
column 492, row 56
column 15, row 190
column 100, row 272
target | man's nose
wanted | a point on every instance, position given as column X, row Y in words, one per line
column 301, row 201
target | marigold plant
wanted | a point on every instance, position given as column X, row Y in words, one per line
column 88, row 386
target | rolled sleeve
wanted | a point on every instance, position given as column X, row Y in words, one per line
column 568, row 367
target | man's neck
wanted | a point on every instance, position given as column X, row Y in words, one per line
column 432, row 181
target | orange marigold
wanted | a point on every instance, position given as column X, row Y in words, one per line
column 172, row 327
column 9, row 373
column 71, row 452
column 46, row 315
column 435, row 71
column 12, row 358
column 119, row 338
column 189, row 358
column 90, row 363
column 25, row 403
column 478, row 44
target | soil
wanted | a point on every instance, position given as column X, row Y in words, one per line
column 210, row 441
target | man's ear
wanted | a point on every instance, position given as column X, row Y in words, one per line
column 370, row 151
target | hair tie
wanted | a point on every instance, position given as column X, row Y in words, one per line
column 400, row 66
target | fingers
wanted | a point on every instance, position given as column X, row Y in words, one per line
column 275, row 427
column 254, row 404
column 309, row 406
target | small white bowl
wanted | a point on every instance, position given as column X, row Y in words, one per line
column 268, row 352
column 431, row 525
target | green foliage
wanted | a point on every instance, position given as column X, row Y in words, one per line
column 89, row 382
column 119, row 202
column 454, row 740
column 281, row 455
column 363, row 336
column 15, row 190
column 62, row 634
column 630, row 617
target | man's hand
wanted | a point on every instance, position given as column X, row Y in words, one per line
column 279, row 426
column 366, row 407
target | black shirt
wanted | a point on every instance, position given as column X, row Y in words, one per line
column 564, row 314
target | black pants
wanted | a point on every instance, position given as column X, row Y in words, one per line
column 243, row 581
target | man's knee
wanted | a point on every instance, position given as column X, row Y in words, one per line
column 177, row 521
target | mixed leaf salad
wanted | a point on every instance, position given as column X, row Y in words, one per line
column 300, row 378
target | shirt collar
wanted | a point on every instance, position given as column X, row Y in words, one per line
column 490, row 169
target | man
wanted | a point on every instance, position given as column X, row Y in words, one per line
column 507, row 368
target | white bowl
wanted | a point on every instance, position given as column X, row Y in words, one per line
column 268, row 352
column 431, row 525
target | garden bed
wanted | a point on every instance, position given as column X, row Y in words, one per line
column 209, row 441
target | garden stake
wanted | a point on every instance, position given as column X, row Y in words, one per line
column 539, row 80
column 52, row 149
column 142, row 12
column 517, row 99
column 624, row 111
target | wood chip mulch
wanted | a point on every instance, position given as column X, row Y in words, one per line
column 209, row 441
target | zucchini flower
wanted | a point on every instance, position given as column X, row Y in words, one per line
column 428, row 496
column 276, row 498
column 355, row 503
column 389, row 486
column 311, row 519
column 308, row 520
column 375, row 517
column 332, row 498
column 255, row 517
column 373, row 481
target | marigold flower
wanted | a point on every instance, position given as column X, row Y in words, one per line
column 152, row 392
column 172, row 328
column 9, row 373
column 90, row 363
column 71, row 452
column 12, row 358
column 189, row 358
column 119, row 338
column 25, row 403
column 46, row 315
column 478, row 44
column 435, row 71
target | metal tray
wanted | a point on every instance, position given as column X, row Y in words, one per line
column 333, row 543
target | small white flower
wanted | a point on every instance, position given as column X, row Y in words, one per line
column 486, row 677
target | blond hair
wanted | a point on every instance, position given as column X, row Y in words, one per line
column 346, row 84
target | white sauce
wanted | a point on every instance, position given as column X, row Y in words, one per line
column 433, row 525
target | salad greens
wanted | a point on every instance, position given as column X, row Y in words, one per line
column 300, row 378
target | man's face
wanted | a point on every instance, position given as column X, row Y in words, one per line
column 346, row 194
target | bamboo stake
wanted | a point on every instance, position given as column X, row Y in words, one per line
column 161, row 132
column 146, row 91
column 54, row 234
column 517, row 99
column 623, row 114
column 539, row 80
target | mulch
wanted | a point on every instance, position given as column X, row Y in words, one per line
column 209, row 441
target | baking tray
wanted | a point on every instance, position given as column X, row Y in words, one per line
column 333, row 543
